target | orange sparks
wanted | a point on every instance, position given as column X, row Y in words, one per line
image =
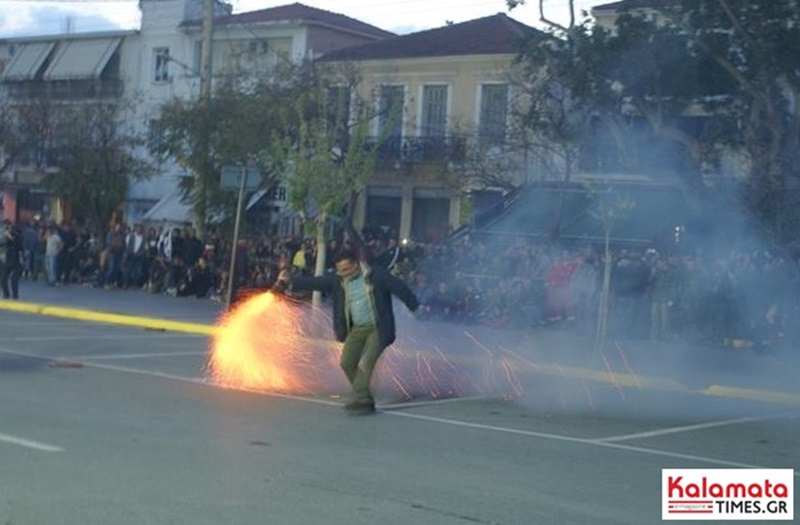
column 271, row 343
column 260, row 345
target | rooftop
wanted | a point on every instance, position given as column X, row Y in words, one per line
column 491, row 35
column 299, row 13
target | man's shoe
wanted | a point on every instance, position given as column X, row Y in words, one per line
column 359, row 408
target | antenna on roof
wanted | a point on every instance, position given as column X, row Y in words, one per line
column 69, row 25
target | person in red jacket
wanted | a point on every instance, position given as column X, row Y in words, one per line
column 559, row 302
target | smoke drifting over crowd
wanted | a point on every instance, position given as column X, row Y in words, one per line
column 512, row 316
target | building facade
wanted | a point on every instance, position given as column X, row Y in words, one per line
column 453, row 95
column 149, row 67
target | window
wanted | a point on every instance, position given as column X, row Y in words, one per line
column 493, row 114
column 197, row 59
column 161, row 64
column 392, row 99
column 155, row 136
column 434, row 111
column 337, row 112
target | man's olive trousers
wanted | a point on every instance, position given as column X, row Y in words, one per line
column 359, row 356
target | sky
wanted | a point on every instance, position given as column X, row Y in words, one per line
column 42, row 17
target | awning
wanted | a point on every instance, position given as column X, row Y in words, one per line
column 274, row 195
column 255, row 198
column 81, row 59
column 28, row 60
column 169, row 209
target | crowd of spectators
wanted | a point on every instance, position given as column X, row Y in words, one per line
column 748, row 295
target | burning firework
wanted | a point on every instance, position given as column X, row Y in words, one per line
column 262, row 344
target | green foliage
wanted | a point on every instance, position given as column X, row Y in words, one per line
column 675, row 87
column 325, row 147
column 25, row 127
column 232, row 128
column 98, row 159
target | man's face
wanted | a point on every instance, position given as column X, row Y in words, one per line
column 347, row 269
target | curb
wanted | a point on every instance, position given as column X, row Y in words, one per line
column 752, row 394
column 618, row 379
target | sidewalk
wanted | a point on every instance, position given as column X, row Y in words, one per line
column 643, row 364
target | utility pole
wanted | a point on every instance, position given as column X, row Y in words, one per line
column 201, row 179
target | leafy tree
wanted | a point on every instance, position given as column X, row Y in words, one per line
column 681, row 85
column 96, row 158
column 557, row 102
column 753, row 44
column 609, row 208
column 326, row 150
column 25, row 131
column 237, row 123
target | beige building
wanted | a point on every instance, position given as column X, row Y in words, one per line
column 452, row 88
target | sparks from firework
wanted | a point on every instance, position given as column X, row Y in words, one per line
column 613, row 376
column 271, row 343
column 261, row 345
column 627, row 364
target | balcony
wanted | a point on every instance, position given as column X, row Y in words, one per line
column 419, row 150
column 64, row 90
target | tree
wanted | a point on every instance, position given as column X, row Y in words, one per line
column 96, row 158
column 608, row 207
column 328, row 156
column 233, row 127
column 553, row 115
column 26, row 128
column 681, row 85
column 753, row 44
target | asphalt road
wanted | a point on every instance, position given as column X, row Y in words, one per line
column 138, row 434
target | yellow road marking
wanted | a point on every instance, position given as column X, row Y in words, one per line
column 600, row 376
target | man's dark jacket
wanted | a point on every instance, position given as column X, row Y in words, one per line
column 380, row 285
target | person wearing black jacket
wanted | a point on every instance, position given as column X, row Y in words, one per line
column 11, row 267
column 363, row 318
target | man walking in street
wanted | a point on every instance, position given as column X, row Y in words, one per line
column 363, row 318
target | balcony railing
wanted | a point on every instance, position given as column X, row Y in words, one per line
column 419, row 150
column 65, row 90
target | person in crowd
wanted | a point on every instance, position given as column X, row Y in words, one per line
column 53, row 246
column 769, row 331
column 30, row 243
column 560, row 304
column 115, row 252
column 662, row 290
column 584, row 285
column 135, row 256
column 68, row 256
column 11, row 260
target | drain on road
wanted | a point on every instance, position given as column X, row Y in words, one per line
column 21, row 363
column 65, row 364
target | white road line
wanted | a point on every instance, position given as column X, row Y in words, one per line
column 433, row 402
column 444, row 421
column 568, row 439
column 688, row 428
column 206, row 381
column 151, row 373
column 90, row 357
column 27, row 443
